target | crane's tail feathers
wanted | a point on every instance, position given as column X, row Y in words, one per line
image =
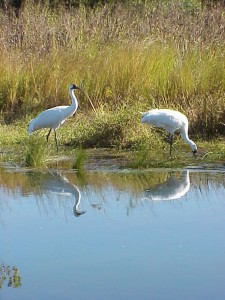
column 143, row 113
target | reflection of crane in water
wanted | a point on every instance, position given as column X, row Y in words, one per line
column 174, row 188
column 77, row 212
column 59, row 184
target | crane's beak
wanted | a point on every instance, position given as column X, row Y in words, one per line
column 77, row 88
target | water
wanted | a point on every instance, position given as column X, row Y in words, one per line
column 112, row 235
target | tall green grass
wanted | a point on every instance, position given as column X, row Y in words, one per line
column 161, row 54
column 80, row 157
column 35, row 152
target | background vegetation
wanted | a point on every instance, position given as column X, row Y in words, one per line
column 127, row 56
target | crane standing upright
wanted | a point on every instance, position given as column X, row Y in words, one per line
column 54, row 117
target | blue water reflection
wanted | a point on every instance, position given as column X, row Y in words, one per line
column 172, row 189
column 129, row 244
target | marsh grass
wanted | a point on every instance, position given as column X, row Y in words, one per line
column 35, row 152
column 163, row 54
column 147, row 154
column 80, row 157
column 210, row 154
column 101, row 129
column 45, row 49
column 143, row 146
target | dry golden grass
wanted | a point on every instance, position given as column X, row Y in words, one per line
column 134, row 58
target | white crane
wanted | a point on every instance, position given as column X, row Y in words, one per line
column 54, row 117
column 171, row 121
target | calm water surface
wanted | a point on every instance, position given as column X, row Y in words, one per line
column 144, row 235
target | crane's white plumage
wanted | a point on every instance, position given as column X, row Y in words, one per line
column 171, row 121
column 54, row 117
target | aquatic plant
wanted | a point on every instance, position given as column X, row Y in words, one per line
column 10, row 274
column 35, row 152
column 80, row 157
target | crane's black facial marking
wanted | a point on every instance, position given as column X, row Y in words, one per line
column 74, row 87
column 194, row 152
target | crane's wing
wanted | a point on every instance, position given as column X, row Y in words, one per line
column 167, row 119
column 50, row 118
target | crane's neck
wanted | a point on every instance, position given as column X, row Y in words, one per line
column 185, row 137
column 74, row 104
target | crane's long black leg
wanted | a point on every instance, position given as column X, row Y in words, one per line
column 171, row 143
column 169, row 140
column 56, row 141
column 47, row 136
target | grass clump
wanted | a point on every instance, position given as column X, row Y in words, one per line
column 80, row 157
column 101, row 129
column 35, row 153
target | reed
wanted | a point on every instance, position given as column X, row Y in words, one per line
column 35, row 153
column 161, row 54
column 79, row 161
